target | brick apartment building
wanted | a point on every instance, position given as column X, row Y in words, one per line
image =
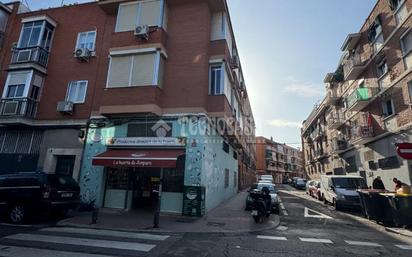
column 121, row 93
column 280, row 160
column 367, row 109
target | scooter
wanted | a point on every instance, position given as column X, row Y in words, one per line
column 260, row 205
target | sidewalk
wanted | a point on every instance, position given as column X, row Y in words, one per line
column 229, row 217
column 401, row 231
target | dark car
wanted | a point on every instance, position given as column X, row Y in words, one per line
column 300, row 183
column 24, row 193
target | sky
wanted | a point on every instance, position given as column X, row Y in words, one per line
column 286, row 48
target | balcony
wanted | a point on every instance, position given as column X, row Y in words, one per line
column 31, row 55
column 18, row 108
column 317, row 134
column 360, row 98
column 353, row 67
column 332, row 97
column 339, row 145
column 335, row 120
column 320, row 154
column 361, row 134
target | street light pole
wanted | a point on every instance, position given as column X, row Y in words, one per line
column 158, row 205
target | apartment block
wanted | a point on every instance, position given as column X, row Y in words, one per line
column 125, row 94
column 367, row 110
column 280, row 160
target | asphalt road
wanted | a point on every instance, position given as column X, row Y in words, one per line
column 320, row 232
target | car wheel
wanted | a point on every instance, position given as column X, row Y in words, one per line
column 18, row 214
column 324, row 200
column 336, row 205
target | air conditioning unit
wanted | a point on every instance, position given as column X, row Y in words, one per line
column 65, row 106
column 142, row 32
column 83, row 54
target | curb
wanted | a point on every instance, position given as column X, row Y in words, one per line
column 399, row 232
column 273, row 224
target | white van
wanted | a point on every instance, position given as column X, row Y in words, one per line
column 268, row 178
column 340, row 191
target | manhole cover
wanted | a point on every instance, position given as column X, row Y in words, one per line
column 216, row 224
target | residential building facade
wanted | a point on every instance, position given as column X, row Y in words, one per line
column 367, row 110
column 128, row 94
column 280, row 160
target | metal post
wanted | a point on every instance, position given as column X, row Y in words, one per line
column 158, row 205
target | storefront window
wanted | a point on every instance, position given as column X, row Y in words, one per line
column 173, row 180
column 117, row 179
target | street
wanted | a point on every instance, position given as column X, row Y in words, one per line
column 317, row 230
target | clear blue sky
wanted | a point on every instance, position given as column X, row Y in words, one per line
column 286, row 49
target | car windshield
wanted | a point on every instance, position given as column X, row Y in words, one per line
column 350, row 183
column 270, row 187
column 301, row 181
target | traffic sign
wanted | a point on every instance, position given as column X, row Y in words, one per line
column 405, row 150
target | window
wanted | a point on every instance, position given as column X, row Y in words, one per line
column 216, row 80
column 86, row 40
column 388, row 108
column 31, row 35
column 406, row 45
column 382, row 68
column 226, row 178
column 375, row 35
column 399, row 9
column 143, row 69
column 150, row 129
column 65, row 165
column 76, row 92
column 131, row 15
column 16, row 84
column 173, row 180
column 235, row 179
column 410, row 91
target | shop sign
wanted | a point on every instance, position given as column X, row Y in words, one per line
column 147, row 141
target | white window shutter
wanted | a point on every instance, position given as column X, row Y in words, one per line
column 127, row 17
column 119, row 71
column 150, row 13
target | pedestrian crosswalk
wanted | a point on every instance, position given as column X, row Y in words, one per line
column 328, row 241
column 78, row 242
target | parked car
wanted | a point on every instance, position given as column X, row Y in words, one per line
column 23, row 193
column 268, row 178
column 286, row 181
column 340, row 191
column 273, row 194
column 300, row 184
column 314, row 190
column 308, row 184
column 293, row 181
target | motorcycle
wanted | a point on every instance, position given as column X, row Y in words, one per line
column 261, row 205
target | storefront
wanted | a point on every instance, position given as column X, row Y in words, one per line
column 123, row 162
column 133, row 176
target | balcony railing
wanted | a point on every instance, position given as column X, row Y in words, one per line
column 335, row 120
column 332, row 97
column 320, row 154
column 361, row 134
column 35, row 55
column 353, row 67
column 18, row 108
column 360, row 98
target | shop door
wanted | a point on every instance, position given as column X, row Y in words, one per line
column 145, row 184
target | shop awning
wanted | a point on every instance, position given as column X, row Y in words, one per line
column 151, row 158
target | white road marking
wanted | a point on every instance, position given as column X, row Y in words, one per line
column 360, row 243
column 13, row 251
column 282, row 228
column 319, row 215
column 281, row 238
column 16, row 225
column 83, row 242
column 316, row 240
column 282, row 207
column 102, row 232
column 404, row 247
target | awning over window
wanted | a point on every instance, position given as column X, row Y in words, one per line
column 151, row 158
